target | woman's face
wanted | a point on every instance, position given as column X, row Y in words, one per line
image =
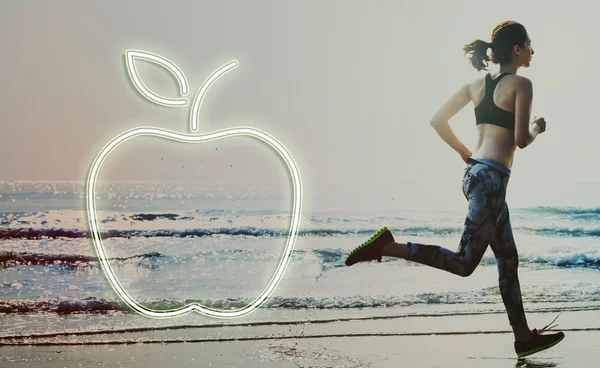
column 526, row 53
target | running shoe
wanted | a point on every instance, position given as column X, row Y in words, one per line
column 371, row 249
column 538, row 342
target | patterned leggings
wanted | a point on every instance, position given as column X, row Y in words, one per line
column 487, row 222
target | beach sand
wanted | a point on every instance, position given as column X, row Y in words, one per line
column 447, row 341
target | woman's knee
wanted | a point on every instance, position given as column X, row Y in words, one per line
column 470, row 257
column 467, row 269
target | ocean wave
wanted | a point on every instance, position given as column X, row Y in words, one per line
column 328, row 258
column 150, row 260
column 94, row 305
column 54, row 233
column 154, row 216
column 561, row 232
column 64, row 260
column 430, row 231
column 564, row 210
column 576, row 214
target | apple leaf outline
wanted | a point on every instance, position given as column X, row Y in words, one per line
column 130, row 61
column 204, row 88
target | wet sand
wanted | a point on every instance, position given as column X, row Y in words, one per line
column 449, row 341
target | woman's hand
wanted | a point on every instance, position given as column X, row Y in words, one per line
column 539, row 124
column 466, row 154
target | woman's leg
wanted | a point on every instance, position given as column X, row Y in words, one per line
column 487, row 223
column 484, row 188
column 507, row 260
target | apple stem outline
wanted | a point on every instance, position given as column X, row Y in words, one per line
column 204, row 88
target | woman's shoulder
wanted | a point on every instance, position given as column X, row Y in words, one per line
column 520, row 83
column 477, row 85
column 518, row 80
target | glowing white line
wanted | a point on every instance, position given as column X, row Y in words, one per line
column 91, row 183
column 91, row 207
column 131, row 68
column 204, row 88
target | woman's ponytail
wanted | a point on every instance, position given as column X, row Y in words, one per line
column 478, row 49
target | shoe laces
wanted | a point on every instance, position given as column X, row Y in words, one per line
column 546, row 328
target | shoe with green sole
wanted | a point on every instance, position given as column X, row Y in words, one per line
column 371, row 249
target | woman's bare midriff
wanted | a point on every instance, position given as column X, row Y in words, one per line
column 495, row 142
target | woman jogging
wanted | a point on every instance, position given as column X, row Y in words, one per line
column 502, row 112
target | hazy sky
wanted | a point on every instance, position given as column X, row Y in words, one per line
column 347, row 86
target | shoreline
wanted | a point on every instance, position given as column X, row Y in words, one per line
column 458, row 341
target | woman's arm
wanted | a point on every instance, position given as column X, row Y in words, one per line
column 525, row 132
column 440, row 120
column 444, row 130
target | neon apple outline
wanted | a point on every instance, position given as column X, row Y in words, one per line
column 153, row 131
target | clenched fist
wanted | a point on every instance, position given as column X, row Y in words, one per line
column 540, row 123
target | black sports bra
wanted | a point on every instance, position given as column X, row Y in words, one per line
column 488, row 112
